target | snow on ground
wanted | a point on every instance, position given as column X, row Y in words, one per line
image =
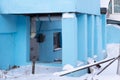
column 46, row 72
column 113, row 50
column 110, row 72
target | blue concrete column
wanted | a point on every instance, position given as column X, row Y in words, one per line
column 69, row 38
column 82, row 37
column 103, row 17
column 90, row 39
column 22, row 41
column 99, row 38
column 95, row 36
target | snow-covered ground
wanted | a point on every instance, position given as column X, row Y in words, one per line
column 46, row 73
column 110, row 72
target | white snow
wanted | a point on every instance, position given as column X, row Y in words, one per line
column 114, row 25
column 114, row 16
column 104, row 3
column 110, row 72
column 93, row 68
column 79, row 63
column 46, row 72
column 67, row 67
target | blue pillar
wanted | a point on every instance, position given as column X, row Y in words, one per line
column 90, row 39
column 95, row 37
column 82, row 37
column 103, row 24
column 99, row 38
column 103, row 17
column 69, row 38
column 22, row 42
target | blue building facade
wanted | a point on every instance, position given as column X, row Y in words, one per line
column 68, row 31
column 113, row 31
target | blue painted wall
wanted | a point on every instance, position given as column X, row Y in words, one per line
column 6, row 50
column 14, row 40
column 81, row 37
column 7, row 23
column 113, row 34
column 47, row 52
column 45, row 6
column 41, row 6
column 88, row 6
column 82, row 34
column 7, row 31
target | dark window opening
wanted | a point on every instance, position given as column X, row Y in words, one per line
column 57, row 41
